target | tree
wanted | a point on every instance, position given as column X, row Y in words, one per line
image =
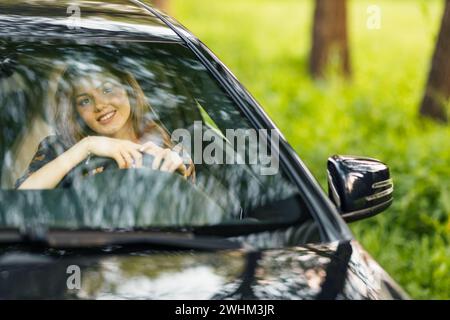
column 162, row 5
column 329, row 37
column 437, row 91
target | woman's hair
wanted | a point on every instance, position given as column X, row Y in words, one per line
column 71, row 128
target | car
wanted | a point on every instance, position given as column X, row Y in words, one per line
column 252, row 223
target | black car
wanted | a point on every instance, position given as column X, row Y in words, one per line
column 251, row 223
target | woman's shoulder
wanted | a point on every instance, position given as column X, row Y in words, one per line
column 52, row 142
column 49, row 148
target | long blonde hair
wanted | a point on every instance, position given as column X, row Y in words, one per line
column 71, row 128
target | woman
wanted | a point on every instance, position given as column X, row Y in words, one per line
column 101, row 113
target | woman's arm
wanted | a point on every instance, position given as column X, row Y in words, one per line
column 169, row 160
column 53, row 172
column 124, row 152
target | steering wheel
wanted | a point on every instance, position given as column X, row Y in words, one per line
column 91, row 166
column 142, row 198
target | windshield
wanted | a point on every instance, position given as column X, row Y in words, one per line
column 130, row 135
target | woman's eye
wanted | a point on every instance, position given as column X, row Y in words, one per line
column 84, row 102
column 107, row 90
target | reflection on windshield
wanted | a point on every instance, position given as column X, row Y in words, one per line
column 160, row 278
column 88, row 141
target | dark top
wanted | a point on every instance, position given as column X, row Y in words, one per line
column 49, row 148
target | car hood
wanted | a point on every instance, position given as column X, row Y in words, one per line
column 340, row 270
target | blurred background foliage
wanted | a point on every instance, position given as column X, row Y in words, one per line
column 266, row 43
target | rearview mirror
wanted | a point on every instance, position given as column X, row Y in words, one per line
column 359, row 187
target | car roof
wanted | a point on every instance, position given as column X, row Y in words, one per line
column 117, row 19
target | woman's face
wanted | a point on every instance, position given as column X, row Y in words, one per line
column 103, row 104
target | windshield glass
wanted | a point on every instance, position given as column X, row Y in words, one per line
column 119, row 135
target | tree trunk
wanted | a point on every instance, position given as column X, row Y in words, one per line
column 329, row 38
column 162, row 5
column 437, row 92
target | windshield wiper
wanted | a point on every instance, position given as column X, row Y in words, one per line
column 72, row 239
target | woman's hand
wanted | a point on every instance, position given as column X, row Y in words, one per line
column 164, row 159
column 124, row 152
column 128, row 154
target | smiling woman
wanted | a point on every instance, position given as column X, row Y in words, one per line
column 101, row 112
column 73, row 114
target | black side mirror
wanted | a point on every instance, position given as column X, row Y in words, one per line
column 359, row 187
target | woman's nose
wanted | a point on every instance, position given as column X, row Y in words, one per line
column 100, row 103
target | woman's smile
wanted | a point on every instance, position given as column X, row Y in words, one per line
column 102, row 102
column 107, row 117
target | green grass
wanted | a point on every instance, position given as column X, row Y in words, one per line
column 266, row 44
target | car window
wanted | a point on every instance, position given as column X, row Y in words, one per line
column 55, row 93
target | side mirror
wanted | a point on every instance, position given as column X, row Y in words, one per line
column 359, row 187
